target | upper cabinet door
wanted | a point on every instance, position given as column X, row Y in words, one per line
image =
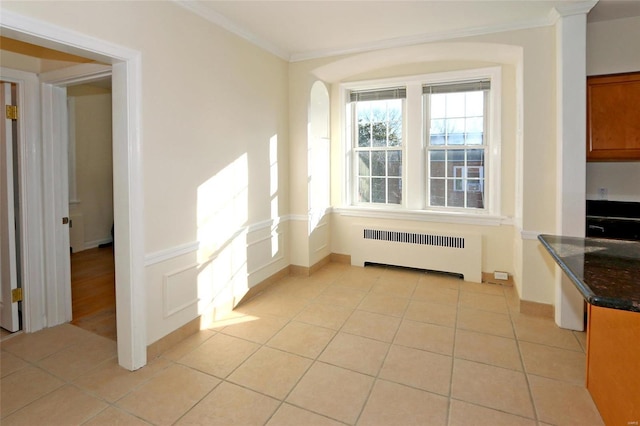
column 613, row 117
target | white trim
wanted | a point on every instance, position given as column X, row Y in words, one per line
column 166, row 313
column 224, row 22
column 423, row 216
column 163, row 255
column 77, row 73
column 214, row 17
column 127, row 154
column 170, row 253
column 529, row 235
column 30, row 178
column 71, row 115
column 298, row 217
column 569, row 9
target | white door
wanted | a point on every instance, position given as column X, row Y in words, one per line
column 8, row 266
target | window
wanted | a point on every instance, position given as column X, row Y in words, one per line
column 378, row 142
column 455, row 120
column 428, row 143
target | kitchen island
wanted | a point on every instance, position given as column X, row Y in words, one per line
column 607, row 274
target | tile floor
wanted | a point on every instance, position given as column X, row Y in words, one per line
column 366, row 346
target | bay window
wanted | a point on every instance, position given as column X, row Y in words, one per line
column 427, row 144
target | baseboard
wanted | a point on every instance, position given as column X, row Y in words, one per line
column 297, row 270
column 264, row 284
column 305, row 271
column 157, row 348
column 537, row 309
column 340, row 258
column 488, row 277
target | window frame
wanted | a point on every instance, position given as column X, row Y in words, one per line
column 355, row 149
column 414, row 149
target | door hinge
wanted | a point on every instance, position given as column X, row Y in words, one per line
column 16, row 295
column 12, row 112
column 65, row 220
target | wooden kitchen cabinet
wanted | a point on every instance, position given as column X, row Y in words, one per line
column 613, row 364
column 613, row 117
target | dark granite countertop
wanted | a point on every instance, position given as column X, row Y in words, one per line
column 607, row 272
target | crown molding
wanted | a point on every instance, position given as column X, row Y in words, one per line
column 570, row 9
column 423, row 38
column 209, row 14
column 216, row 18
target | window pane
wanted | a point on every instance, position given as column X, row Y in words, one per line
column 475, row 193
column 378, row 190
column 455, row 104
column 455, row 163
column 437, row 192
column 395, row 133
column 455, row 193
column 363, row 163
column 437, row 132
column 378, row 163
column 436, row 140
column 363, row 111
column 364, row 134
column 395, row 163
column 475, row 158
column 438, row 106
column 364, row 190
column 475, row 139
column 394, row 110
column 379, row 133
column 379, row 111
column 475, row 103
column 455, row 131
column 474, row 125
column 394, row 191
column 437, row 163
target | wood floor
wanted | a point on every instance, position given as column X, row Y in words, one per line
column 93, row 292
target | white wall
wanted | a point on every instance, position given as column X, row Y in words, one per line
column 214, row 108
column 612, row 47
column 93, row 165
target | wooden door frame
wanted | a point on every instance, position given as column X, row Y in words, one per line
column 127, row 175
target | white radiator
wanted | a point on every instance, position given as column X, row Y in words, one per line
column 455, row 253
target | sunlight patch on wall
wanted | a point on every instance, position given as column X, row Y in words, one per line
column 222, row 207
column 274, row 186
column 222, row 256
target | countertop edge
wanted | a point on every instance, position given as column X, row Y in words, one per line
column 583, row 288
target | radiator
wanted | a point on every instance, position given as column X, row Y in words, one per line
column 454, row 253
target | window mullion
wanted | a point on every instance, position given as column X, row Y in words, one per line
column 414, row 181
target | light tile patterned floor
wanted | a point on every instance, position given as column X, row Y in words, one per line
column 366, row 346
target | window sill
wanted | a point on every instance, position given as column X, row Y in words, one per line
column 424, row 216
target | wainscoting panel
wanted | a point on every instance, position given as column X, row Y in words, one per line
column 177, row 291
column 193, row 280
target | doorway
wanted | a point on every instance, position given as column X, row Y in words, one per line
column 90, row 175
column 48, row 301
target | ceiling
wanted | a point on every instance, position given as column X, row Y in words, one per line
column 304, row 29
